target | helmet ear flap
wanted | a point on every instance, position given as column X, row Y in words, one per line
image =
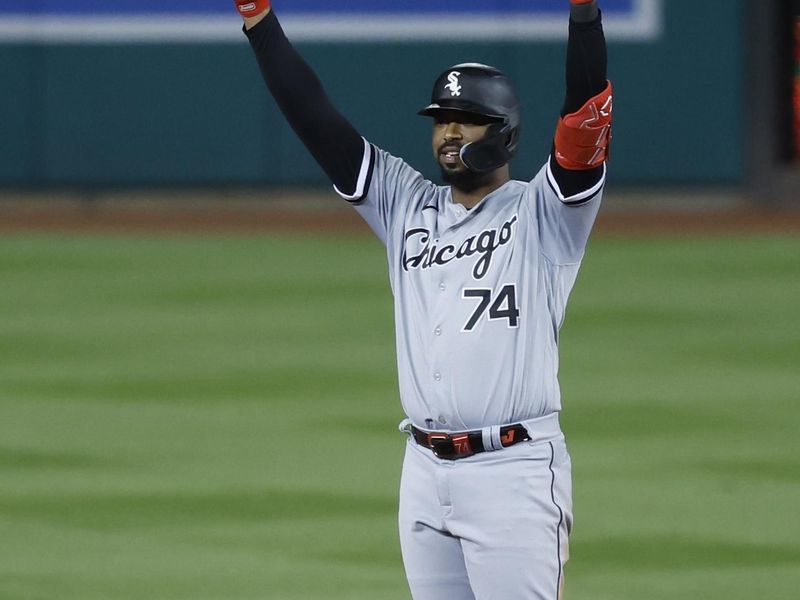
column 490, row 152
column 512, row 139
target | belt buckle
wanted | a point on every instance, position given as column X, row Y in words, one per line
column 450, row 447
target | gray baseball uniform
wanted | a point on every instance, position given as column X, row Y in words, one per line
column 479, row 298
column 479, row 294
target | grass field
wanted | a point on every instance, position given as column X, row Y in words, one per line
column 210, row 417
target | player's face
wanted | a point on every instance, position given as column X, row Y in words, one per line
column 453, row 129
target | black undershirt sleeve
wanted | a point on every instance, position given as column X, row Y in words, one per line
column 330, row 138
column 586, row 77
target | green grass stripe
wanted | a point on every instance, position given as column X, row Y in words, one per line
column 213, row 417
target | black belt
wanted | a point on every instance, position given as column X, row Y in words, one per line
column 451, row 446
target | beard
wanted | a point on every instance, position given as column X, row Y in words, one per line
column 465, row 180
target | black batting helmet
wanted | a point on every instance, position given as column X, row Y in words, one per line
column 481, row 90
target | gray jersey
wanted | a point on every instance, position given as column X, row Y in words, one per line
column 480, row 294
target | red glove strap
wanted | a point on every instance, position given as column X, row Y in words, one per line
column 251, row 8
column 581, row 1
column 582, row 138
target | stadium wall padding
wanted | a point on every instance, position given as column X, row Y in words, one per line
column 197, row 114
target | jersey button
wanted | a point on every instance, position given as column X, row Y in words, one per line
column 442, row 286
column 437, row 376
column 437, row 331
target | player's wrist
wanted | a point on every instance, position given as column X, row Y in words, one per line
column 583, row 11
column 252, row 8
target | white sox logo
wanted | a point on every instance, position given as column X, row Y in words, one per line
column 430, row 255
column 455, row 89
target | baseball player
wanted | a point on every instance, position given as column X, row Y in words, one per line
column 481, row 269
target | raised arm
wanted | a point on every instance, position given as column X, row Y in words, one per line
column 581, row 142
column 330, row 138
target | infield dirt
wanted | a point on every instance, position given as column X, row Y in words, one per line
column 321, row 211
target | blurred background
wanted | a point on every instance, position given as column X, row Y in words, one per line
column 100, row 96
column 197, row 373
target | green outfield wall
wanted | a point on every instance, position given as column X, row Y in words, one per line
column 197, row 114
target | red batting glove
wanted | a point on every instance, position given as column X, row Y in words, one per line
column 581, row 1
column 251, row 8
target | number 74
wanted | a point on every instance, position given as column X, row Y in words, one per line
column 504, row 305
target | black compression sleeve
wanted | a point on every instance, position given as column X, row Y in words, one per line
column 587, row 61
column 331, row 139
